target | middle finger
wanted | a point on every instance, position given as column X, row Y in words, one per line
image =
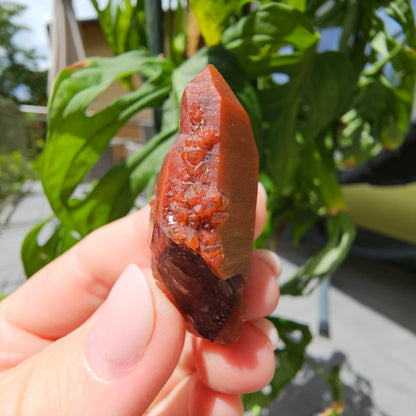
column 262, row 291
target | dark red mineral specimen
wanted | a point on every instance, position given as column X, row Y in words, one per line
column 203, row 210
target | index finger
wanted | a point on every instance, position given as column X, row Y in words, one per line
column 66, row 292
column 62, row 295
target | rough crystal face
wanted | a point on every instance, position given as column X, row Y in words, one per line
column 203, row 210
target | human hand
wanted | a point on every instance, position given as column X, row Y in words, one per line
column 91, row 334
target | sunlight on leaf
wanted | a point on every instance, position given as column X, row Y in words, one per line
column 341, row 234
column 212, row 16
column 75, row 139
column 256, row 39
column 37, row 252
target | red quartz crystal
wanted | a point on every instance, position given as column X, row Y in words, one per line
column 203, row 210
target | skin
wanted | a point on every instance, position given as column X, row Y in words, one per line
column 59, row 329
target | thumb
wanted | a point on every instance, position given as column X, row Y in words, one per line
column 114, row 364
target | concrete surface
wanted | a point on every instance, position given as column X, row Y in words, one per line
column 372, row 318
column 16, row 222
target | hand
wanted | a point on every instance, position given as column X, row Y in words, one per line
column 91, row 334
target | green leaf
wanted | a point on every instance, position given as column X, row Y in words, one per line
column 324, row 14
column 328, row 90
column 170, row 113
column 341, row 234
column 124, row 25
column 296, row 4
column 381, row 43
column 306, row 165
column 385, row 111
column 37, row 254
column 355, row 143
column 111, row 198
column 282, row 149
column 75, row 139
column 212, row 17
column 352, row 19
column 294, row 339
column 318, row 177
column 381, row 112
column 151, row 159
column 255, row 40
column 115, row 193
column 280, row 104
column 401, row 11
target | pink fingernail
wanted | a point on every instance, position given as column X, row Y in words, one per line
column 123, row 330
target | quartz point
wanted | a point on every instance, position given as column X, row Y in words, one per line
column 203, row 210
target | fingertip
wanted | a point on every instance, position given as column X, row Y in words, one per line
column 261, row 210
column 120, row 335
column 137, row 387
column 243, row 367
column 269, row 329
column 270, row 258
column 262, row 192
column 206, row 402
column 262, row 291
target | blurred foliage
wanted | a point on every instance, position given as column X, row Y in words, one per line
column 20, row 77
column 15, row 170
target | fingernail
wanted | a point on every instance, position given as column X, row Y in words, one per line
column 124, row 328
column 271, row 259
column 269, row 330
column 262, row 192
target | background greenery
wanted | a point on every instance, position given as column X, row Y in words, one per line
column 313, row 111
column 21, row 82
column 20, row 78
